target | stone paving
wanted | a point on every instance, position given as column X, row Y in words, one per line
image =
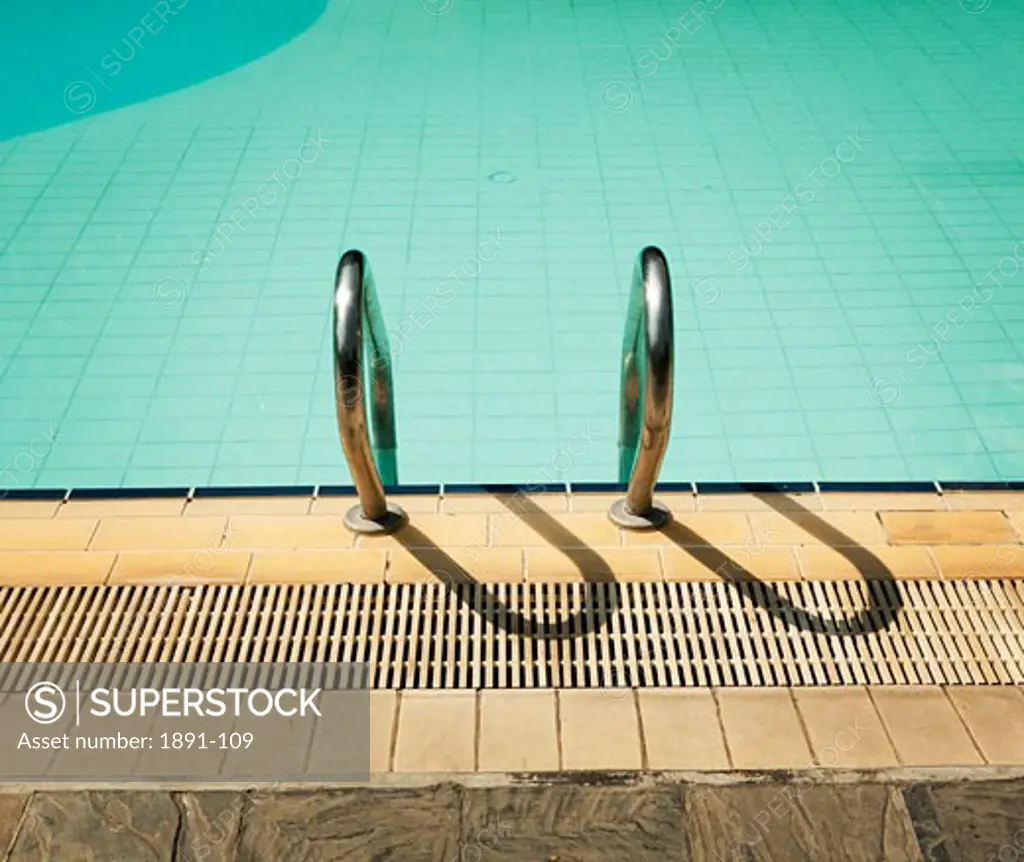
column 582, row 818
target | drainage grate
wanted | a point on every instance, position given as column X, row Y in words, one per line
column 547, row 635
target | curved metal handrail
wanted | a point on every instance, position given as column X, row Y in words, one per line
column 375, row 464
column 645, row 416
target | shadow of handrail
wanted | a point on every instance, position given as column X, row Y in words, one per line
column 594, row 569
column 591, row 619
column 876, row 617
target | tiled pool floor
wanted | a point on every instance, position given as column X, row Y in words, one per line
column 837, row 185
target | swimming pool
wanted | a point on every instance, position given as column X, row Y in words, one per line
column 837, row 187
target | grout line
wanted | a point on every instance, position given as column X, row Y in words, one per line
column 964, row 724
column 92, row 535
column 721, row 728
column 645, row 759
column 19, row 828
column 477, row 710
column 558, row 729
column 110, row 571
column 803, row 726
column 885, row 725
column 396, row 715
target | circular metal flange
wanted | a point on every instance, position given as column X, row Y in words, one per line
column 621, row 514
column 390, row 522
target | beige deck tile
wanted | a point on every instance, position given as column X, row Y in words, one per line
column 833, row 529
column 762, row 729
column 678, row 502
column 730, row 563
column 570, row 530
column 518, row 731
column 413, row 504
column 288, row 532
column 948, row 528
column 54, row 568
column 991, row 500
column 600, row 502
column 844, row 728
column 29, row 508
column 383, row 706
column 181, row 567
column 599, row 729
column 436, row 732
column 142, row 507
column 924, row 727
column 681, row 729
column 317, row 567
column 698, row 528
column 995, row 718
column 513, row 504
column 979, row 561
column 842, row 501
column 1016, row 517
column 40, row 534
column 546, row 565
column 770, row 502
column 455, row 565
column 425, row 530
column 150, row 534
column 827, row 564
column 207, row 506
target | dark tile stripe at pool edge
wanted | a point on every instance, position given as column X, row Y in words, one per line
column 506, row 488
column 126, row 493
column 28, row 494
column 755, row 487
column 699, row 488
column 255, row 491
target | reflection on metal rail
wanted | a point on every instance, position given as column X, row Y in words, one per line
column 372, row 465
column 645, row 416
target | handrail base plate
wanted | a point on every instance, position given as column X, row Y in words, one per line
column 623, row 516
column 359, row 523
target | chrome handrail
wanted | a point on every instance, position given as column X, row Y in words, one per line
column 375, row 464
column 645, row 415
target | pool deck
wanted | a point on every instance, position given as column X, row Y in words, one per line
column 638, row 773
column 510, row 538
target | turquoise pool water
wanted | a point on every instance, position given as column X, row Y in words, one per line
column 837, row 186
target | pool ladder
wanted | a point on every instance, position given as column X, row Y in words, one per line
column 645, row 412
column 375, row 464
